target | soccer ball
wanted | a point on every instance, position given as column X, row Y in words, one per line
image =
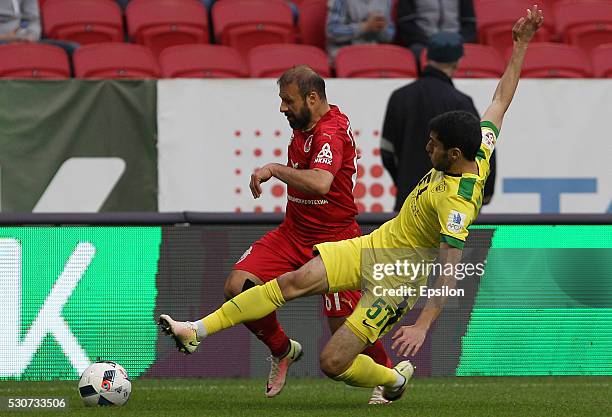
column 105, row 383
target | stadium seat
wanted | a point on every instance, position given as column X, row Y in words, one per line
column 33, row 60
column 553, row 60
column 83, row 21
column 270, row 61
column 159, row 24
column 479, row 61
column 244, row 24
column 115, row 60
column 202, row 61
column 602, row 61
column 584, row 23
column 495, row 18
column 375, row 61
column 311, row 23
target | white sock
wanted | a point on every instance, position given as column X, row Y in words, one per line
column 201, row 332
column 399, row 381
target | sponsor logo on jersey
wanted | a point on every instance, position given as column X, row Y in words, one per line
column 245, row 254
column 488, row 138
column 325, row 155
column 440, row 188
column 308, row 144
column 456, row 221
column 306, row 202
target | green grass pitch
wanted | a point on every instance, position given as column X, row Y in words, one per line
column 439, row 397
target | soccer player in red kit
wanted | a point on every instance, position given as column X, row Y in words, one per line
column 320, row 175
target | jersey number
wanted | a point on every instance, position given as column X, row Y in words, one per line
column 378, row 307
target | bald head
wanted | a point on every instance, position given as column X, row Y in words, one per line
column 306, row 79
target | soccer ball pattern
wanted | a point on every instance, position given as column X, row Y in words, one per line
column 105, row 383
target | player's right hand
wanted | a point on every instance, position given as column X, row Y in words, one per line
column 407, row 340
column 526, row 27
column 258, row 177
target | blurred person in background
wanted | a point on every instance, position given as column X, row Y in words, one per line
column 417, row 20
column 20, row 22
column 351, row 22
column 409, row 110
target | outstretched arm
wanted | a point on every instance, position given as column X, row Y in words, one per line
column 522, row 32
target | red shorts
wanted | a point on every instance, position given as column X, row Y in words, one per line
column 277, row 253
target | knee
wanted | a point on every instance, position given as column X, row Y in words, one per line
column 331, row 364
column 233, row 285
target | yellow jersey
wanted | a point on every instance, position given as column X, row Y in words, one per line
column 442, row 206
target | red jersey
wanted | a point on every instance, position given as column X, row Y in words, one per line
column 329, row 145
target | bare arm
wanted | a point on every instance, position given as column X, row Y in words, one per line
column 409, row 339
column 312, row 181
column 522, row 32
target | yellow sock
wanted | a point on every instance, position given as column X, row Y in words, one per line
column 253, row 304
column 364, row 372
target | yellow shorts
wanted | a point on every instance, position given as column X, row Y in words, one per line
column 374, row 315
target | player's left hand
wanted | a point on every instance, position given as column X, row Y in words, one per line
column 407, row 340
column 258, row 177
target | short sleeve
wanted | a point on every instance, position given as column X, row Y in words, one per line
column 326, row 152
column 455, row 216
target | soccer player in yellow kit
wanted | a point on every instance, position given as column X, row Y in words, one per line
column 435, row 215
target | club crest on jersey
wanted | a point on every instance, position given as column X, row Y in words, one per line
column 456, row 221
column 325, row 155
column 440, row 188
column 488, row 138
column 308, row 144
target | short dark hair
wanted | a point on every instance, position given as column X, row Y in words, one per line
column 306, row 79
column 458, row 129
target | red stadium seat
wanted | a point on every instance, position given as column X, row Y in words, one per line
column 602, row 61
column 244, row 24
column 375, row 61
column 495, row 18
column 115, row 60
column 270, row 61
column 585, row 23
column 313, row 15
column 33, row 60
column 159, row 24
column 202, row 61
column 553, row 60
column 83, row 21
column 479, row 61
